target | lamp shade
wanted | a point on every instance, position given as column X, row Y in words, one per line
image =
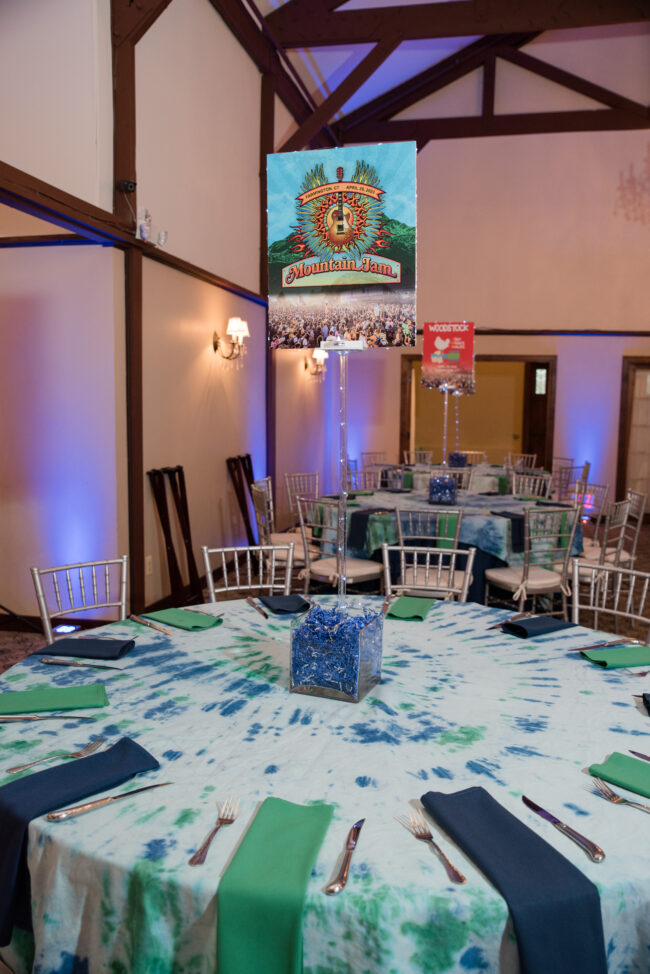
column 237, row 329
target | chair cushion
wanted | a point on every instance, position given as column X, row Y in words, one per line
column 356, row 569
column 298, row 547
column 593, row 554
column 539, row 579
column 420, row 581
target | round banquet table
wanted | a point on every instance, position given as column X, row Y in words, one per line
column 487, row 525
column 459, row 705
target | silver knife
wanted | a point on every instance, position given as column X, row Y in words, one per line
column 351, row 843
column 258, row 608
column 76, row 662
column 593, row 851
column 88, row 806
column 520, row 615
column 637, row 754
column 622, row 642
column 11, row 718
column 202, row 612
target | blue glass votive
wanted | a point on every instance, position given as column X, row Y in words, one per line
column 442, row 490
column 336, row 652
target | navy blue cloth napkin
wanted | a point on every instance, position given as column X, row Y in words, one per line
column 555, row 909
column 517, row 528
column 91, row 647
column 284, row 604
column 43, row 791
column 540, row 626
column 646, row 701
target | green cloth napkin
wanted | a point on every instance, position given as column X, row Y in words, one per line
column 261, row 895
column 407, row 479
column 53, row 698
column 410, row 607
column 630, row 773
column 617, row 656
column 183, row 619
column 502, row 484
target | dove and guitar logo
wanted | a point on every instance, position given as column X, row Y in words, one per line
column 448, row 355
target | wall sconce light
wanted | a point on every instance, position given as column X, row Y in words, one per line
column 316, row 364
column 237, row 331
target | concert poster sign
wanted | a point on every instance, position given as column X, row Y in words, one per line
column 448, row 356
column 341, row 252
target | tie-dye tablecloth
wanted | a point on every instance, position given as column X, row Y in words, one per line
column 482, row 525
column 459, row 705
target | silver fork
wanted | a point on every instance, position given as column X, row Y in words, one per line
column 612, row 796
column 227, row 815
column 417, row 825
column 83, row 753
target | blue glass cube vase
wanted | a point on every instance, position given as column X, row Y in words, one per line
column 442, row 490
column 336, row 651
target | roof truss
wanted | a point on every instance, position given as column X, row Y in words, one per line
column 506, row 28
column 314, row 23
column 375, row 121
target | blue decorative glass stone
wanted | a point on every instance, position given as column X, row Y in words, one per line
column 457, row 459
column 336, row 652
column 442, row 490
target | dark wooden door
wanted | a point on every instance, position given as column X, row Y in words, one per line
column 539, row 408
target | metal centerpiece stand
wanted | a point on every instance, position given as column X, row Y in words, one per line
column 337, row 652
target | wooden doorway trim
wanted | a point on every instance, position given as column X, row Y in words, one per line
column 550, row 361
column 630, row 365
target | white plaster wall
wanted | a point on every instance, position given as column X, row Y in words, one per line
column 62, row 401
column 15, row 223
column 197, row 111
column 588, row 394
column 522, row 232
column 56, row 112
column 197, row 410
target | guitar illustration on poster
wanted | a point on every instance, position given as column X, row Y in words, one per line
column 340, row 219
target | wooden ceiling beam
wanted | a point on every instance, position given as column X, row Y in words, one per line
column 125, row 203
column 340, row 95
column 572, row 81
column 473, row 126
column 34, row 196
column 296, row 25
column 45, row 240
column 438, row 76
column 489, row 81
